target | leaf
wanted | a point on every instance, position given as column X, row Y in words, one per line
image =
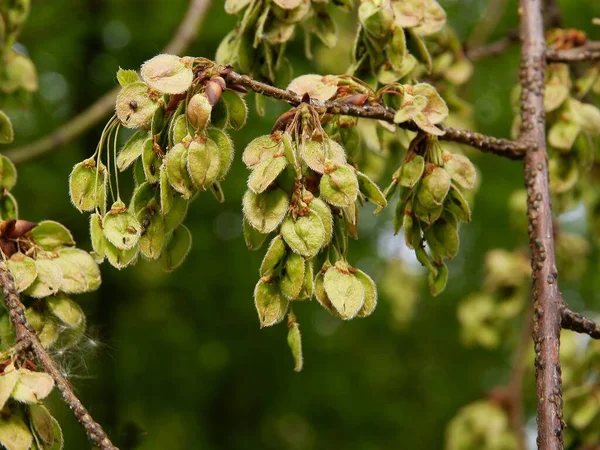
column 344, row 290
column 134, row 107
column 305, row 235
column 14, row 433
column 7, row 134
column 270, row 303
column 48, row 280
column 265, row 211
column 292, row 278
column 8, row 172
column 121, row 227
column 51, row 235
column 237, row 109
column 80, row 271
column 318, row 155
column 32, row 386
column 132, row 149
column 294, row 340
column 23, row 269
column 176, row 249
column 66, row 310
column 168, row 74
column 273, row 256
column 339, row 187
column 87, row 185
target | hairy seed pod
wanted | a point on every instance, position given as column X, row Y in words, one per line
column 198, row 111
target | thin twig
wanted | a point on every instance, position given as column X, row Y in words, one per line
column 493, row 49
column 183, row 37
column 27, row 337
column 502, row 147
column 588, row 52
column 576, row 322
column 545, row 293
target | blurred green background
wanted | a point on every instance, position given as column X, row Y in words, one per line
column 177, row 361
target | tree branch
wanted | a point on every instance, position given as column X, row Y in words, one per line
column 493, row 49
column 545, row 293
column 185, row 34
column 27, row 338
column 576, row 322
column 588, row 52
column 501, row 147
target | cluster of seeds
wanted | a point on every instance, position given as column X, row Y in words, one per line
column 431, row 204
column 180, row 109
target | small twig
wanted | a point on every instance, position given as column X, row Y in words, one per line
column 576, row 322
column 85, row 120
column 545, row 293
column 27, row 338
column 588, row 52
column 493, row 49
column 501, row 147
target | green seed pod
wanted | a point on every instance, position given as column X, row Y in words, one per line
column 8, row 173
column 198, row 112
column 180, row 129
column 236, row 108
column 288, row 4
column 51, row 235
column 292, row 278
column 408, row 13
column 204, row 163
column 371, row 191
column 134, row 106
column 254, row 239
column 562, row 135
column 325, row 29
column 270, row 303
column 339, row 187
column 321, row 294
column 66, row 310
column 32, row 387
column 227, row 51
column 396, row 50
column 80, row 271
column 350, row 215
column 97, row 238
column 125, row 77
column 317, row 154
column 235, row 6
column 442, row 239
column 265, row 173
column 176, row 250
column 20, row 74
column 424, row 214
column 167, row 193
column 177, row 173
column 142, row 195
column 305, row 235
column 267, row 210
column 46, row 427
column 120, row 259
column 316, row 86
column 433, row 21
column 48, row 280
column 344, row 290
column 8, row 207
column 376, row 18
column 168, row 74
column 411, row 229
column 289, row 150
column 434, row 188
column 226, row 152
column 152, row 237
column 151, row 162
column 87, row 185
column 411, row 171
column 260, row 148
column 176, row 214
column 294, row 340
column 461, row 170
column 457, row 205
column 121, row 227
column 319, row 207
column 437, row 281
column 308, row 285
column 370, row 289
column 7, row 134
column 132, row 149
column 274, row 255
column 292, row 16
column 23, row 269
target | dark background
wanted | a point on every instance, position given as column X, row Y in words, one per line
column 178, row 360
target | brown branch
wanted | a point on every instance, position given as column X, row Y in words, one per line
column 545, row 293
column 588, row 52
column 576, row 322
column 502, row 147
column 27, row 338
column 183, row 37
column 493, row 49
